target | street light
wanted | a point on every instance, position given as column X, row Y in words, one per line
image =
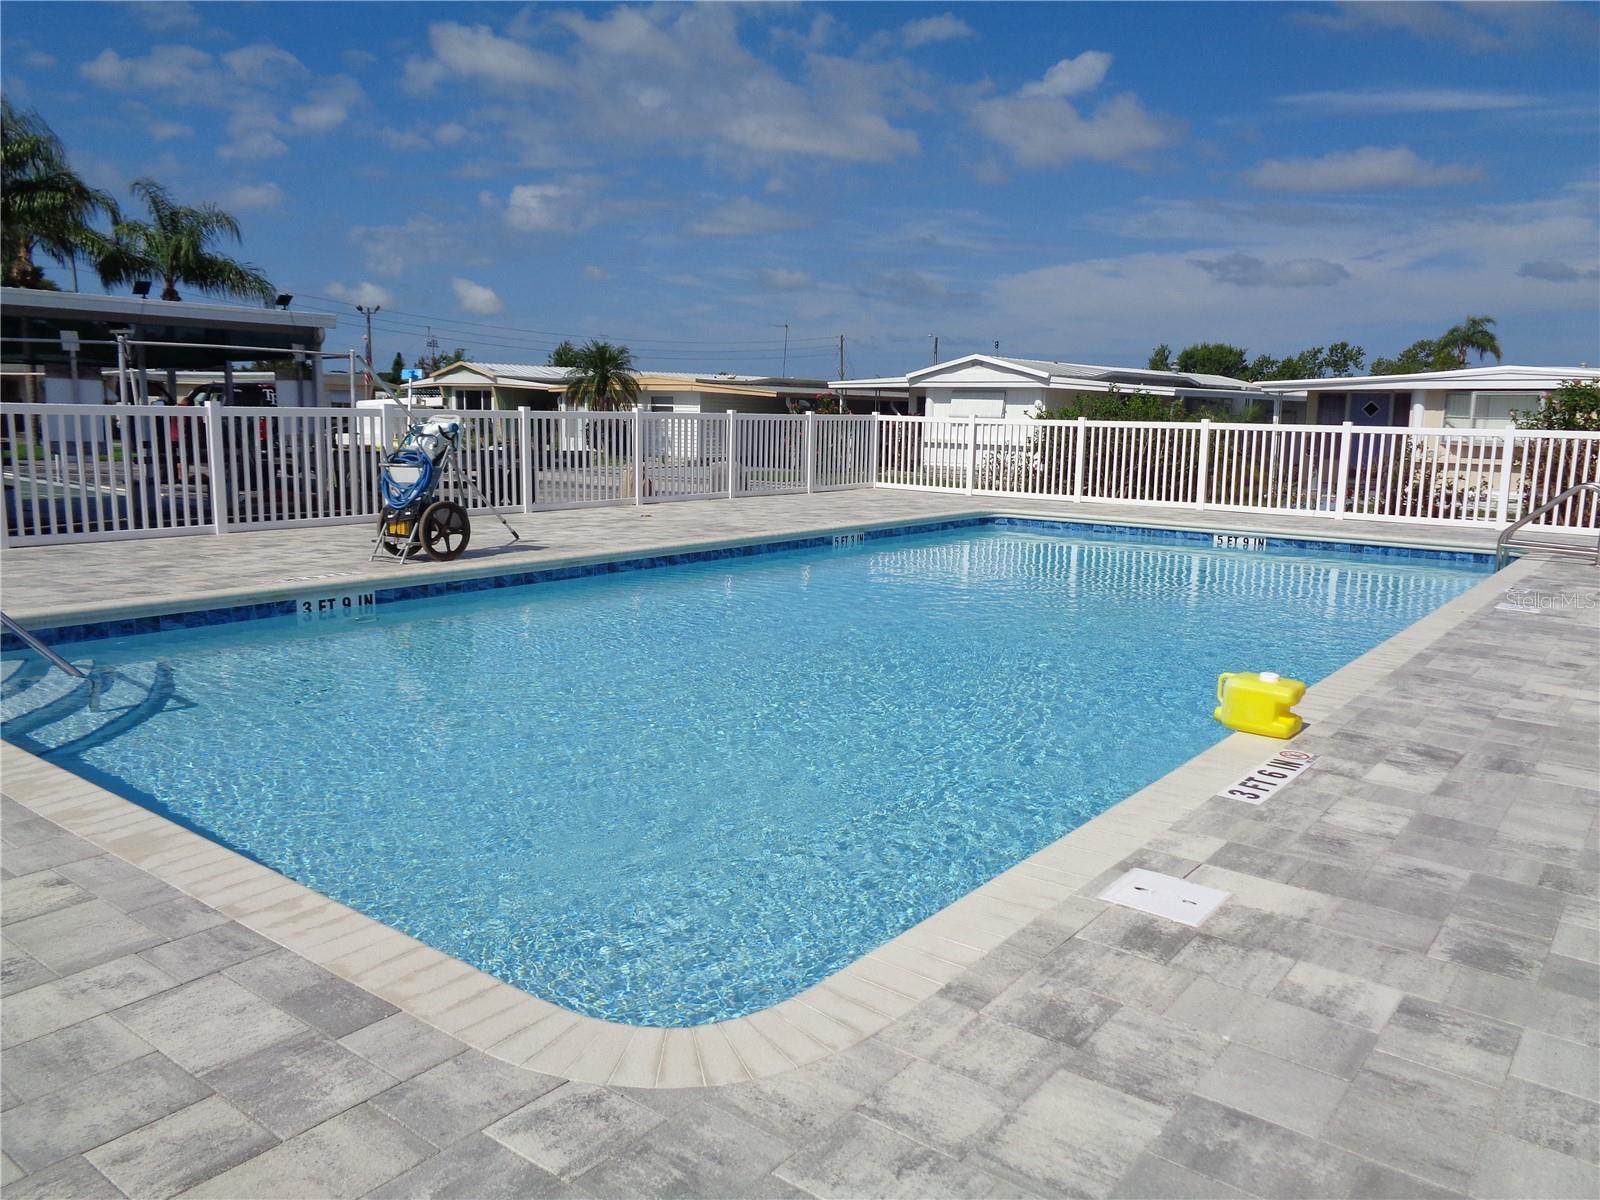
column 367, row 313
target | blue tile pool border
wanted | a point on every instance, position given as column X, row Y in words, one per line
column 201, row 618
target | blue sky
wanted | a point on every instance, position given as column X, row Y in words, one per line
column 1075, row 181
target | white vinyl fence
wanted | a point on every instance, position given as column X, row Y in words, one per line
column 80, row 472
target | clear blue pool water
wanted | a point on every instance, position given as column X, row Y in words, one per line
column 679, row 795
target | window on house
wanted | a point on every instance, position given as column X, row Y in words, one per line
column 1485, row 410
column 1292, row 412
column 474, row 399
column 660, row 403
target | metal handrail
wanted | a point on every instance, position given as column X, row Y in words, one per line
column 1502, row 543
column 33, row 643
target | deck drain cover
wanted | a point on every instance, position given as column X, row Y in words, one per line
column 1165, row 896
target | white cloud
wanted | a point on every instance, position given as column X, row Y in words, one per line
column 253, row 195
column 782, row 279
column 1481, row 28
column 259, row 62
column 165, row 14
column 475, row 298
column 166, row 131
column 164, row 69
column 943, row 28
column 368, row 295
column 590, row 271
column 478, row 53
column 40, row 60
column 1040, row 126
column 1072, row 76
column 1371, row 168
column 450, row 133
column 744, row 217
column 547, row 208
column 1409, row 100
column 252, row 146
column 395, row 249
column 1244, row 270
column 326, row 108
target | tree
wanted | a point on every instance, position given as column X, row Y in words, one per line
column 1343, row 359
column 1471, row 335
column 396, row 368
column 603, row 377
column 1422, row 355
column 1573, row 405
column 564, row 355
column 1160, row 358
column 174, row 246
column 429, row 363
column 43, row 203
column 1213, row 358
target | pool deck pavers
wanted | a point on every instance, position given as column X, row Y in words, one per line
column 1400, row 998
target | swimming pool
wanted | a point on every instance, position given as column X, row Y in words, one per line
column 681, row 795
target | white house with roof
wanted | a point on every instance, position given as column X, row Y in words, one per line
column 997, row 387
column 1470, row 398
column 474, row 386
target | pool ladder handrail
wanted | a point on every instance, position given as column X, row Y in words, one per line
column 34, row 644
column 1503, row 544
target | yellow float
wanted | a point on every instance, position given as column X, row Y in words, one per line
column 1259, row 702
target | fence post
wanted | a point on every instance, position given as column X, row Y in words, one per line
column 525, row 441
column 1080, row 446
column 972, row 452
column 811, row 449
column 1343, row 482
column 1202, row 475
column 733, row 418
column 638, row 456
column 874, row 448
column 218, row 476
column 1502, row 512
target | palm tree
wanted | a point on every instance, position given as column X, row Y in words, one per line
column 174, row 246
column 1472, row 334
column 43, row 203
column 602, row 377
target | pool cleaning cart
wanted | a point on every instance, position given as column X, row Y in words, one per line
column 412, row 518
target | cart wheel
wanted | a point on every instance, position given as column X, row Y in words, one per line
column 445, row 531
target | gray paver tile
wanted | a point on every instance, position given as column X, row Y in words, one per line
column 1522, row 1003
column 1566, row 1066
column 402, row 1045
column 478, row 1167
column 1073, row 1136
column 1272, row 1088
column 1386, row 926
column 26, row 896
column 1450, row 1039
column 1389, row 965
column 1545, row 1117
column 1532, row 911
column 461, row 1095
column 1414, row 1119
column 208, row 1022
column 1051, row 1008
column 93, row 1111
column 795, row 1106
column 181, row 1149
column 1337, row 995
column 1489, row 948
column 207, row 951
column 859, row 1157
column 20, row 970
column 1509, row 1169
column 81, row 935
column 1012, row 1061
column 54, row 849
column 571, row 1128
column 304, row 990
column 988, row 977
column 1147, row 1055
column 73, row 1178
column 36, row 1068
column 1253, row 1155
column 1138, row 933
column 117, row 882
column 1151, row 1176
column 346, row 1156
column 699, row 1151
column 1251, row 969
column 936, row 1107
column 178, row 916
column 62, row 1002
column 1126, row 978
column 292, row 1085
column 928, row 1026
column 1571, row 975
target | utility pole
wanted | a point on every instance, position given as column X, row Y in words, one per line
column 367, row 313
column 935, row 338
column 841, row 356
